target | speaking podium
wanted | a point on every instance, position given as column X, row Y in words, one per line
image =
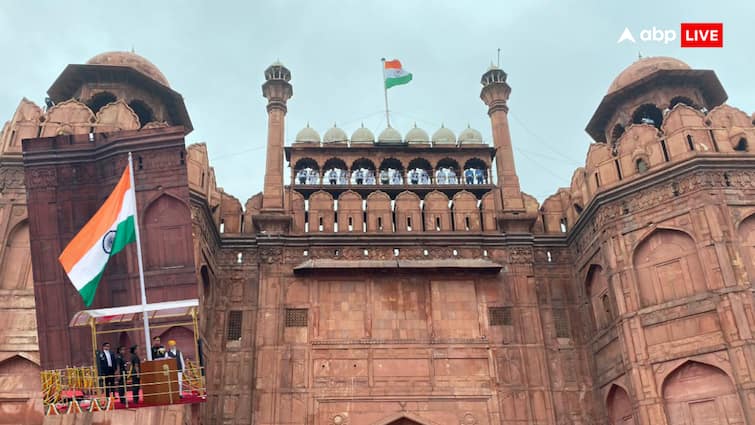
column 159, row 381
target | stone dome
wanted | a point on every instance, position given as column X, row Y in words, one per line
column 444, row 136
column 307, row 135
column 131, row 60
column 644, row 67
column 417, row 136
column 335, row 135
column 362, row 135
column 470, row 136
column 389, row 135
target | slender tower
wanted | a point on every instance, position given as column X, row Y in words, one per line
column 495, row 93
column 277, row 90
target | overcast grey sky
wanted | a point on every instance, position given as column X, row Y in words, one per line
column 560, row 57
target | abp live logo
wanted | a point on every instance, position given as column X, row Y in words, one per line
column 692, row 35
column 703, row 34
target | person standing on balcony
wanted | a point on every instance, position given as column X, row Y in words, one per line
column 136, row 369
column 106, row 369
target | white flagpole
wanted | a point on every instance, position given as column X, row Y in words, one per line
column 385, row 91
column 147, row 338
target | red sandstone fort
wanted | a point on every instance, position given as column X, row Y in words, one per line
column 399, row 279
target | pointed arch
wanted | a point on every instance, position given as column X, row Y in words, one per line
column 166, row 224
column 116, row 116
column 488, row 212
column 466, row 213
column 667, row 266
column 619, row 406
column 16, row 270
column 70, row 116
column 699, row 393
column 350, row 214
column 408, row 213
column 298, row 210
column 437, row 213
column 21, row 373
column 596, row 288
column 379, row 212
column 746, row 233
column 321, row 212
column 404, row 418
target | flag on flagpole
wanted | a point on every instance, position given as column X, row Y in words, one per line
column 395, row 74
column 106, row 234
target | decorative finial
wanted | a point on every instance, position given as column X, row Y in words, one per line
column 132, row 49
column 307, row 124
column 499, row 57
column 639, row 55
column 362, row 124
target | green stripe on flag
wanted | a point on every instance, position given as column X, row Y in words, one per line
column 125, row 233
column 88, row 290
column 404, row 79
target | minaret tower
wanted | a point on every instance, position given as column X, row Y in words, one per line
column 277, row 90
column 495, row 93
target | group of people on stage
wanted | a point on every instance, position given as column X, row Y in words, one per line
column 114, row 369
column 387, row 176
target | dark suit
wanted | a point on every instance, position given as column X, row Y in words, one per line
column 120, row 370
column 106, row 371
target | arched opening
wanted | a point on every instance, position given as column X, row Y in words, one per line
column 596, row 287
column 747, row 240
column 619, row 407
column 168, row 234
column 648, row 114
column 741, row 145
column 700, row 394
column 184, row 339
column 668, row 267
column 475, row 171
column 143, row 111
column 205, row 275
column 306, row 171
column 96, row 102
column 391, row 171
column 447, row 171
column 616, row 133
column 578, row 209
column 681, row 100
column 16, row 272
column 335, row 172
column 363, row 172
column 641, row 165
column 420, row 171
column 404, row 421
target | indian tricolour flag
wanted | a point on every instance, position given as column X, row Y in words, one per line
column 106, row 234
column 395, row 74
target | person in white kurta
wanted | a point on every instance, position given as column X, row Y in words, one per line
column 174, row 353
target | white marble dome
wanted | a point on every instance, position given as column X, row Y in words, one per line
column 389, row 135
column 417, row 136
column 307, row 135
column 362, row 135
column 444, row 136
column 335, row 135
column 470, row 136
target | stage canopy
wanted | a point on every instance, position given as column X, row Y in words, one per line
column 130, row 313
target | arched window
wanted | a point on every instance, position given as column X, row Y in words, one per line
column 447, row 171
column 696, row 393
column 143, row 111
column 335, row 172
column 99, row 100
column 618, row 131
column 16, row 272
column 475, row 171
column 641, row 165
column 363, row 172
column 619, row 407
column 681, row 99
column 741, row 146
column 419, row 171
column 648, row 114
column 306, row 171
column 668, row 267
column 391, row 171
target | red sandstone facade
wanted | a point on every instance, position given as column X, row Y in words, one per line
column 428, row 298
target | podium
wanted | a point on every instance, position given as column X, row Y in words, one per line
column 159, row 381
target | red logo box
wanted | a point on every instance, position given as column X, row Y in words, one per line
column 702, row 34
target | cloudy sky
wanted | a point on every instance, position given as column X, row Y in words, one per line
column 560, row 57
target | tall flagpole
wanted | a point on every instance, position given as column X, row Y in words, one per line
column 147, row 337
column 385, row 92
